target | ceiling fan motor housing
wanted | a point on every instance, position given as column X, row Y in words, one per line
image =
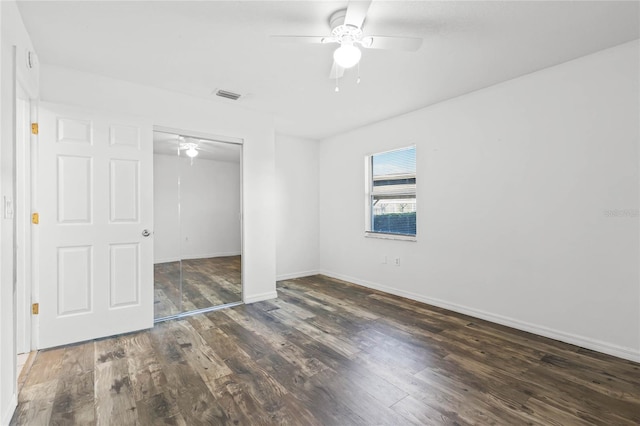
column 341, row 32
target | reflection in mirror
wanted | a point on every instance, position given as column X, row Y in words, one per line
column 166, row 235
column 210, row 225
column 198, row 226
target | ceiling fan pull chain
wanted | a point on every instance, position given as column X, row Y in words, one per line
column 358, row 79
column 337, row 89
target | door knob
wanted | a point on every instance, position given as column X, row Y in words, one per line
column 146, row 233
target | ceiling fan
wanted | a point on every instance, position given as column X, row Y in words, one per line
column 346, row 30
column 189, row 145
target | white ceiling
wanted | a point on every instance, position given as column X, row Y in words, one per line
column 196, row 47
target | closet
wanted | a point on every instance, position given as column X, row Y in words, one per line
column 197, row 224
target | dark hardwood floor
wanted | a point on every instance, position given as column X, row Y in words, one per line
column 329, row 353
column 205, row 282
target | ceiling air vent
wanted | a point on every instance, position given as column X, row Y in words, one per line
column 228, row 95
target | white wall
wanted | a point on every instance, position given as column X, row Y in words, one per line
column 172, row 110
column 166, row 211
column 14, row 40
column 208, row 223
column 296, row 206
column 210, row 208
column 516, row 184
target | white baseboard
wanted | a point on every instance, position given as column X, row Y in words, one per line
column 168, row 260
column 208, row 255
column 293, row 275
column 13, row 403
column 585, row 342
column 260, row 297
column 198, row 256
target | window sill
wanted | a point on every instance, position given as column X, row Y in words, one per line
column 383, row 236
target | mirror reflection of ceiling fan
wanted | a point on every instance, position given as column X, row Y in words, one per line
column 189, row 146
column 346, row 30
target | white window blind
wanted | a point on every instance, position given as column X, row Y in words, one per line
column 393, row 192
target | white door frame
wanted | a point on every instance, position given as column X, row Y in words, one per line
column 23, row 222
column 25, row 83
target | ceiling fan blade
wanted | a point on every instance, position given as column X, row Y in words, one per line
column 356, row 12
column 336, row 71
column 409, row 44
column 303, row 39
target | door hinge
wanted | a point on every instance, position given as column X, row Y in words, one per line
column 35, row 218
column 34, row 128
column 35, row 308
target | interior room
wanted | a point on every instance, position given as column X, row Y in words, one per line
column 319, row 212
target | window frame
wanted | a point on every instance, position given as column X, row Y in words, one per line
column 368, row 195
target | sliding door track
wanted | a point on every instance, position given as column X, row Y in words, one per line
column 197, row 311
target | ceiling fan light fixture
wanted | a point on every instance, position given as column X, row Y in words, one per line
column 347, row 55
column 191, row 148
column 192, row 152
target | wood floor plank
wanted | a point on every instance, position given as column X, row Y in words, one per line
column 74, row 402
column 46, row 367
column 35, row 403
column 376, row 387
column 578, row 399
column 295, row 355
column 344, row 305
column 114, row 400
column 167, row 289
column 325, row 353
column 356, row 398
column 258, row 387
column 292, row 308
column 145, row 370
column 193, row 284
column 159, row 410
column 336, row 343
column 198, row 353
column 162, row 305
column 187, row 390
column 301, row 297
column 196, row 403
column 417, row 413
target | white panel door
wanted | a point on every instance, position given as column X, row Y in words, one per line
column 94, row 249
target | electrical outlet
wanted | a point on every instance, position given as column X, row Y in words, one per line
column 397, row 261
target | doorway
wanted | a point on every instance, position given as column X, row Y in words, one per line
column 197, row 224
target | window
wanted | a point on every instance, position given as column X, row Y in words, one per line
column 391, row 201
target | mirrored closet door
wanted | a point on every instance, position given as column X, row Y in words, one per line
column 197, row 224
